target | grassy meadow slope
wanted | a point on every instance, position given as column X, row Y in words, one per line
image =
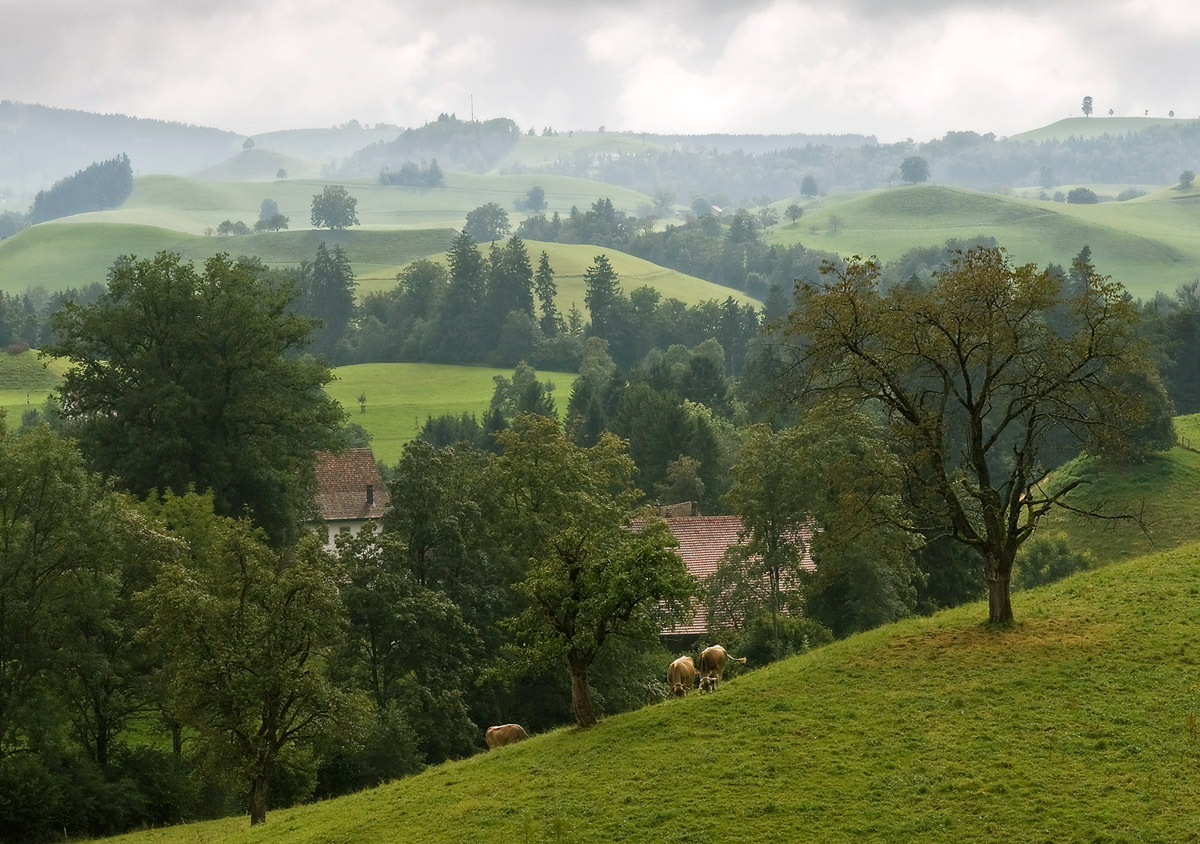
column 1094, row 127
column 72, row 254
column 400, row 396
column 1148, row 244
column 1164, row 491
column 1076, row 725
column 192, row 205
column 25, row 381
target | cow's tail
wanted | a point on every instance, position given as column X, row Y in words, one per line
column 740, row 659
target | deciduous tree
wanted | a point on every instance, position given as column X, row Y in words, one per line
column 183, row 378
column 976, row 374
column 592, row 571
column 334, row 208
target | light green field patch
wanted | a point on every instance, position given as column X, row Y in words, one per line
column 260, row 165
column 194, row 205
column 1146, row 245
column 1095, row 127
column 401, row 396
column 25, row 382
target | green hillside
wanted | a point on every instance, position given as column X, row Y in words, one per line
column 25, row 381
column 400, row 396
column 324, row 145
column 1077, row 725
column 192, row 205
column 260, row 165
column 1094, row 127
column 1164, row 491
column 71, row 254
column 1148, row 244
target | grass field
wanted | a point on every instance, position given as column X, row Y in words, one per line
column 25, row 381
column 192, row 205
column 1094, row 127
column 1164, row 491
column 400, row 396
column 1148, row 244
column 1076, row 725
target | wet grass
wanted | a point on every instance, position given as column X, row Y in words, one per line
column 1075, row 725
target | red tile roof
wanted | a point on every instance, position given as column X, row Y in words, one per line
column 703, row 541
column 342, row 484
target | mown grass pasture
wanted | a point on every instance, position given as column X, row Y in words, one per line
column 400, row 396
column 192, row 205
column 1148, row 244
column 25, row 381
column 1076, row 725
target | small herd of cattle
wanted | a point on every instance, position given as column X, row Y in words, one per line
column 681, row 677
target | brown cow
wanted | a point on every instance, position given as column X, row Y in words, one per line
column 504, row 734
column 681, row 676
column 712, row 666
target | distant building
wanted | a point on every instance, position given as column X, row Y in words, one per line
column 703, row 541
column 350, row 491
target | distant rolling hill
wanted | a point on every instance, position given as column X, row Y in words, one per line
column 260, row 165
column 193, row 205
column 1094, row 127
column 1148, row 244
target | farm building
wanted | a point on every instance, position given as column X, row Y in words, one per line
column 350, row 491
column 703, row 541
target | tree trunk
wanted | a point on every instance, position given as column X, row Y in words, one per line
column 177, row 739
column 581, row 695
column 258, row 799
column 999, row 605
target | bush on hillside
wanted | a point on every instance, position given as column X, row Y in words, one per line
column 797, row 635
column 1082, row 196
column 1046, row 558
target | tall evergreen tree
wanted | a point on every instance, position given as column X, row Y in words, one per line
column 460, row 319
column 603, row 290
column 543, row 283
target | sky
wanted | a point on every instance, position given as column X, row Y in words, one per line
column 895, row 69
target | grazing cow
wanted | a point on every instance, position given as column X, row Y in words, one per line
column 681, row 676
column 712, row 666
column 504, row 734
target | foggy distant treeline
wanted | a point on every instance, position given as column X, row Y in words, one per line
column 459, row 145
column 40, row 145
column 1153, row 156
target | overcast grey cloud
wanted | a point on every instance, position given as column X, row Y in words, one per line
column 893, row 69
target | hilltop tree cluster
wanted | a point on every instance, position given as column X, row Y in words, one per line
column 98, row 186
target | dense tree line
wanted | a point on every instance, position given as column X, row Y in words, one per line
column 458, row 144
column 1155, row 155
column 731, row 254
column 98, row 186
column 412, row 175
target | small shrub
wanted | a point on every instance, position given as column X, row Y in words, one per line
column 1130, row 193
column 1046, row 558
column 17, row 348
column 1082, row 196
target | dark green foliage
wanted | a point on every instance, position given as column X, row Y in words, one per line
column 914, row 169
column 1186, row 178
column 756, row 639
column 410, row 175
column 487, row 223
column 334, row 208
column 186, row 379
column 98, row 186
column 1046, row 558
column 603, row 291
column 808, row 186
column 1082, row 196
column 327, row 293
column 12, row 222
column 460, row 144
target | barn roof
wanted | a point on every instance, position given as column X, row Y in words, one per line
column 703, row 541
column 349, row 486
